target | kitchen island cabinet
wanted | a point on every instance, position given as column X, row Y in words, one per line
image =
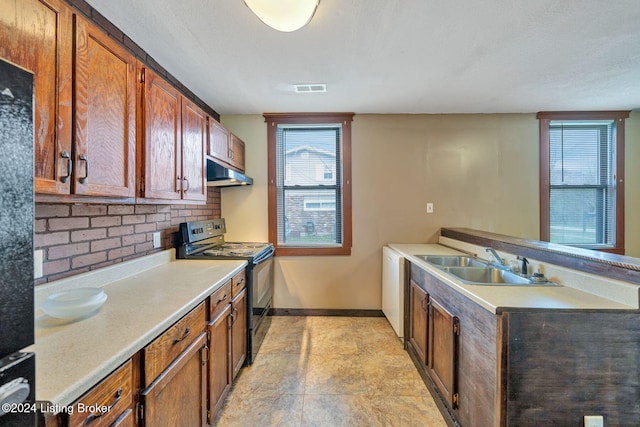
column 460, row 369
column 527, row 355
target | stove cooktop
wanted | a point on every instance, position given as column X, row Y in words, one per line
column 205, row 240
column 237, row 249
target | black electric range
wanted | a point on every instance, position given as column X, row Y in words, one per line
column 205, row 240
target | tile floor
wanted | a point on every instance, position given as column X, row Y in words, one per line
column 330, row 371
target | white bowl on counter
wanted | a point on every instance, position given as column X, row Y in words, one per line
column 74, row 303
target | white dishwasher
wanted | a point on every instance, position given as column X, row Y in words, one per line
column 393, row 289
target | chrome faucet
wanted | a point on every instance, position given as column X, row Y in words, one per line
column 499, row 260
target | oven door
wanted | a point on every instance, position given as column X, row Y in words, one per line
column 262, row 295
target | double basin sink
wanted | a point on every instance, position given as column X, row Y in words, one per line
column 474, row 271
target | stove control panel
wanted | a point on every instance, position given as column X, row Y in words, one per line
column 192, row 232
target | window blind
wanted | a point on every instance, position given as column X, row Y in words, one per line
column 309, row 185
column 582, row 182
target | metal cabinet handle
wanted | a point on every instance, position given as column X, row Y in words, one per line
column 66, row 155
column 186, row 334
column 83, row 157
column 178, row 184
column 92, row 417
column 425, row 303
column 221, row 299
column 187, row 180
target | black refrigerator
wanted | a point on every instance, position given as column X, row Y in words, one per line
column 17, row 368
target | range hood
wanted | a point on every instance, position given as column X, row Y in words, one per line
column 219, row 176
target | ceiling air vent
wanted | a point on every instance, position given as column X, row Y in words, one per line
column 311, row 88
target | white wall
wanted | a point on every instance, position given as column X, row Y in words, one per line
column 479, row 171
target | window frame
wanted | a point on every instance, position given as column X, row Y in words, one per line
column 275, row 119
column 544, row 119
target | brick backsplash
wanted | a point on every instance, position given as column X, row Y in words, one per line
column 76, row 238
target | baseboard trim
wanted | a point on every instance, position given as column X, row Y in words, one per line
column 325, row 312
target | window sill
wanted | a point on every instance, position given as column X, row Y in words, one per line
column 306, row 251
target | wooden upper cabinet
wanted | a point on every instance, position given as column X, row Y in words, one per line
column 218, row 146
column 37, row 35
column 226, row 148
column 443, row 351
column 174, row 130
column 194, row 131
column 105, row 114
column 236, row 152
column 162, row 134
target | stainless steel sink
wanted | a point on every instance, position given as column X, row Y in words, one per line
column 452, row 260
column 491, row 276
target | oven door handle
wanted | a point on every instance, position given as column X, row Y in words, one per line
column 262, row 258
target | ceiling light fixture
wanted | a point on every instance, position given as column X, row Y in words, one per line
column 284, row 15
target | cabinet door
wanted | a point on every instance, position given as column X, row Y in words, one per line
column 125, row 420
column 105, row 114
column 37, row 35
column 218, row 146
column 236, row 152
column 194, row 173
column 178, row 396
column 162, row 134
column 239, row 331
column 220, row 378
column 443, row 351
column 418, row 330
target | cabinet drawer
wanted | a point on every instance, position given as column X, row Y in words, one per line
column 238, row 283
column 219, row 300
column 102, row 405
column 164, row 349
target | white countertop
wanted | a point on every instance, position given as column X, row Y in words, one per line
column 498, row 298
column 74, row 355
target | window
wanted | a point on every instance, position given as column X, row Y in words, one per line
column 310, row 183
column 582, row 179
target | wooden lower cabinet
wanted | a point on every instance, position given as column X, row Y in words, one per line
column 419, row 318
column 181, row 378
column 127, row 419
column 458, row 354
column 105, row 403
column 444, row 329
column 433, row 335
column 220, row 375
column 178, row 396
column 238, row 331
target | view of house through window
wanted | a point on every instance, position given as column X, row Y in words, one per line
column 309, row 199
column 581, row 192
column 310, row 206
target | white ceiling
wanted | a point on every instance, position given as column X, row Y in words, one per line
column 397, row 56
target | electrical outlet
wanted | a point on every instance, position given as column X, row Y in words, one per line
column 37, row 264
column 593, row 421
column 156, row 239
column 429, row 207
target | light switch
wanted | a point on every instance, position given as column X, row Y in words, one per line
column 156, row 239
column 429, row 207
